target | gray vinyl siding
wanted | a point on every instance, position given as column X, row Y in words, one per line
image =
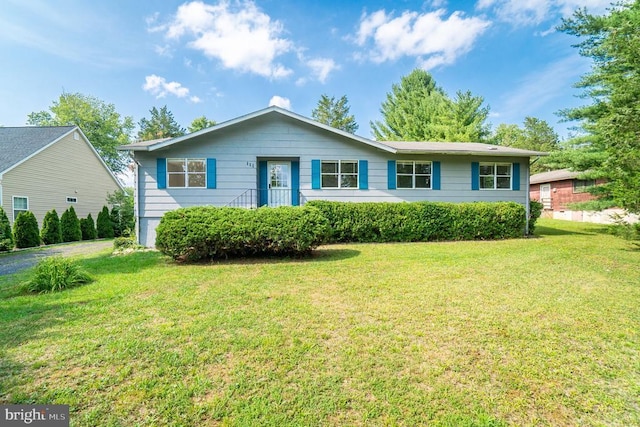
column 237, row 151
column 68, row 168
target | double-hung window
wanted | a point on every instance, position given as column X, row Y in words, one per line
column 187, row 173
column 583, row 185
column 20, row 204
column 495, row 176
column 411, row 174
column 339, row 174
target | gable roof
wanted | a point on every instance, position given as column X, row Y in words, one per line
column 553, row 176
column 19, row 143
column 395, row 147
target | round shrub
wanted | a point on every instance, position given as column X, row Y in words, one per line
column 104, row 224
column 25, row 230
column 70, row 225
column 51, row 232
column 197, row 233
column 55, row 274
column 6, row 235
column 88, row 228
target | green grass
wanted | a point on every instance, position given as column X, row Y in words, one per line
column 541, row 331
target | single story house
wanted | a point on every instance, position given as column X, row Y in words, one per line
column 275, row 157
column 44, row 168
column 558, row 189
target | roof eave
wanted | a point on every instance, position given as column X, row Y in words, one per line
column 472, row 153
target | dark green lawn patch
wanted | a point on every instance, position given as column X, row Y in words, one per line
column 513, row 332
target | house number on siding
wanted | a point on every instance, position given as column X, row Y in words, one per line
column 251, row 164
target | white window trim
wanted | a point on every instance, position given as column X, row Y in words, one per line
column 13, row 205
column 413, row 175
column 495, row 176
column 186, row 160
column 339, row 174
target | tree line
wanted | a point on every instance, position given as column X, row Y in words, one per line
column 606, row 144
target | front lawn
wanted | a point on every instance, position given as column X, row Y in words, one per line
column 542, row 331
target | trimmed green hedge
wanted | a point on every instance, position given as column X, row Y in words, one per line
column 422, row 221
column 205, row 232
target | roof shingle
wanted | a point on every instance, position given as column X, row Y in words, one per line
column 18, row 143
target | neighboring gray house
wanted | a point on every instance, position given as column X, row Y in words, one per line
column 275, row 157
column 44, row 168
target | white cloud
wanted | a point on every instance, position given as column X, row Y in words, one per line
column 237, row 34
column 321, row 67
column 163, row 50
column 430, row 37
column 159, row 87
column 534, row 12
column 281, row 102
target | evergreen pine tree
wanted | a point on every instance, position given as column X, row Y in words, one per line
column 88, row 228
column 70, row 225
column 6, row 235
column 51, row 232
column 25, row 230
column 104, row 224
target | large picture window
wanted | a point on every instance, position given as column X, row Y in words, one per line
column 495, row 176
column 20, row 204
column 411, row 174
column 339, row 174
column 187, row 173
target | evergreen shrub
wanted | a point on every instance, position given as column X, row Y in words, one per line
column 25, row 230
column 51, row 232
column 70, row 226
column 421, row 221
column 6, row 235
column 104, row 225
column 205, row 232
column 88, row 228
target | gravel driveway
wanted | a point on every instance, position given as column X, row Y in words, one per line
column 14, row 262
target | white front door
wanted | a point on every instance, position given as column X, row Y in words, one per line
column 545, row 195
column 279, row 183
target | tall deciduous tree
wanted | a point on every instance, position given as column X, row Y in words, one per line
column 162, row 124
column 610, row 122
column 335, row 113
column 535, row 135
column 419, row 110
column 100, row 122
column 200, row 123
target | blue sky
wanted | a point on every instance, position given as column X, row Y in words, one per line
column 223, row 59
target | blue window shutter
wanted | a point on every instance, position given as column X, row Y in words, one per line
column 475, row 176
column 263, row 183
column 161, row 169
column 515, row 177
column 315, row 174
column 211, row 173
column 295, row 183
column 391, row 174
column 435, row 181
column 363, row 175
